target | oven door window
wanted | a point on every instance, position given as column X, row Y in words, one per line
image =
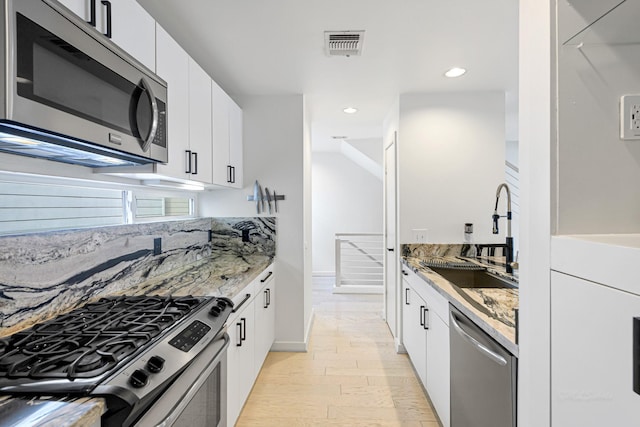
column 53, row 72
column 204, row 409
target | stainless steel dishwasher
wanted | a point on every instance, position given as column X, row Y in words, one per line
column 483, row 377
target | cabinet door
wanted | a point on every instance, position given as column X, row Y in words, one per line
column 173, row 67
column 200, row 123
column 414, row 332
column 220, row 116
column 592, row 354
column 438, row 366
column 235, row 143
column 133, row 29
column 240, row 357
column 264, row 305
column 79, row 7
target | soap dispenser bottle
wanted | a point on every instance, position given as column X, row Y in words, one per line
column 469, row 248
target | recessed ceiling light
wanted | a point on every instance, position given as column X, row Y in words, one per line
column 350, row 110
column 455, row 72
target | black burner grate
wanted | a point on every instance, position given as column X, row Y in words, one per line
column 92, row 340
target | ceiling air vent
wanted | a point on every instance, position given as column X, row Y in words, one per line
column 343, row 43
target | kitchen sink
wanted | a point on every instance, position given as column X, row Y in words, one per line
column 474, row 278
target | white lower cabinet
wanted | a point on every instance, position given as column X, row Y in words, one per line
column 251, row 334
column 438, row 367
column 265, row 313
column 426, row 339
column 592, row 354
column 415, row 335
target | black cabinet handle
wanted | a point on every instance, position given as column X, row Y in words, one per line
column 187, row 161
column 266, row 277
column 239, row 335
column 406, row 296
column 246, row 298
column 405, row 273
column 195, row 163
column 425, row 313
column 92, row 13
column 233, row 174
column 422, row 315
column 228, row 173
column 390, row 249
column 108, row 6
column 636, row 354
column 266, row 299
column 243, row 333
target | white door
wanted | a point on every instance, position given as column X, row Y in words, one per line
column 391, row 254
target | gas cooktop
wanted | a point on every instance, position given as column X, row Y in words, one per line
column 126, row 349
column 90, row 341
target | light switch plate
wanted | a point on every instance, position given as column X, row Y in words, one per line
column 630, row 117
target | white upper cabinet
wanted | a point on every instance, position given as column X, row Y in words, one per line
column 125, row 22
column 133, row 29
column 235, row 144
column 227, row 139
column 200, row 132
column 173, row 67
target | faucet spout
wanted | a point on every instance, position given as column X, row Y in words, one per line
column 495, row 216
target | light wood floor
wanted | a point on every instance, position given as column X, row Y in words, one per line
column 351, row 375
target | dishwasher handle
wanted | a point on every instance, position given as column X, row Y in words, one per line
column 481, row 347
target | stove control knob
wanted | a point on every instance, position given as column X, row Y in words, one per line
column 215, row 311
column 222, row 304
column 139, row 378
column 155, row 364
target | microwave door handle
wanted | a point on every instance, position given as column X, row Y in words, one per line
column 144, row 84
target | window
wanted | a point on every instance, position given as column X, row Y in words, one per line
column 35, row 206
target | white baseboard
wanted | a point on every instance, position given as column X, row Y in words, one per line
column 289, row 346
column 323, row 273
column 348, row 289
column 295, row 346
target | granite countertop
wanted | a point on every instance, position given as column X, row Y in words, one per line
column 492, row 309
column 51, row 411
column 222, row 275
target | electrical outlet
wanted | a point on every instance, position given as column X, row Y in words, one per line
column 630, row 117
column 420, row 235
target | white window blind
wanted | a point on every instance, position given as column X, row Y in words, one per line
column 28, row 207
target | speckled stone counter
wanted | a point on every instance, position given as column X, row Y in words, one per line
column 50, row 412
column 492, row 309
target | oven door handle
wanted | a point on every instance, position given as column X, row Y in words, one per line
column 193, row 390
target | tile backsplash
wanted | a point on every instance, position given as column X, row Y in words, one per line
column 44, row 274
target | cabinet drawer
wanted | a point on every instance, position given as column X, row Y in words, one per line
column 436, row 302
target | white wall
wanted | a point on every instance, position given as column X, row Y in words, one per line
column 598, row 173
column 535, row 169
column 346, row 199
column 451, row 160
column 274, row 154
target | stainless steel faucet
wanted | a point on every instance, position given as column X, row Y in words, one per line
column 509, row 239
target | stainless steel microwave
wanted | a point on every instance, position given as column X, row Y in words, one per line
column 71, row 95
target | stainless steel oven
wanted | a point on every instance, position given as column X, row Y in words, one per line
column 156, row 360
column 198, row 398
column 71, row 95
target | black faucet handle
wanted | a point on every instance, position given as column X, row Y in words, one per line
column 495, row 217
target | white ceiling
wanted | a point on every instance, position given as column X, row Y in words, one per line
column 277, row 47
